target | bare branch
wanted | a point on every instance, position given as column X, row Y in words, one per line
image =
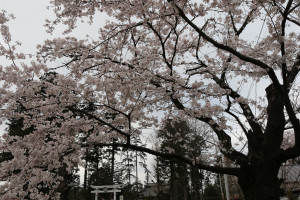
column 127, row 135
column 246, row 22
column 200, row 165
column 229, row 49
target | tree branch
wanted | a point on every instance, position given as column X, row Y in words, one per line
column 291, row 75
column 246, row 109
column 246, row 22
column 200, row 165
column 229, row 49
column 223, row 137
column 127, row 135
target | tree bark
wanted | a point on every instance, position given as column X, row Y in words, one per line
column 85, row 172
column 263, row 184
column 259, row 180
column 195, row 179
column 173, row 182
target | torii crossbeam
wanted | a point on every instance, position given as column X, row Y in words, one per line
column 106, row 189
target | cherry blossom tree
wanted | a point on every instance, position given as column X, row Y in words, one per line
column 180, row 58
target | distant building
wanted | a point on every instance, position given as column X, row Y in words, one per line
column 290, row 173
column 152, row 189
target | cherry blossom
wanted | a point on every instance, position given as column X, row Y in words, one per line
column 178, row 58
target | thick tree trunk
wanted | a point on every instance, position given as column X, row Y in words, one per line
column 262, row 184
column 259, row 180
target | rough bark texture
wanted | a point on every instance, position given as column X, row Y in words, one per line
column 261, row 184
column 259, row 180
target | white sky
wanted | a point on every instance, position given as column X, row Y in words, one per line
column 28, row 27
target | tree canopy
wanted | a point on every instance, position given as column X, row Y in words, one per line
column 182, row 58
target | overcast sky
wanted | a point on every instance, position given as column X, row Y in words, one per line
column 28, row 27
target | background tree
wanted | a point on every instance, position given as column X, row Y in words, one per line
column 174, row 171
column 184, row 138
column 185, row 58
column 212, row 192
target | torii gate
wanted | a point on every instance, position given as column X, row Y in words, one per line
column 106, row 189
